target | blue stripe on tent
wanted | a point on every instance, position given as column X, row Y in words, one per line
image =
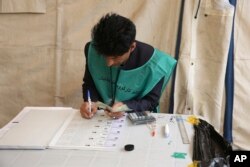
column 229, row 84
column 177, row 49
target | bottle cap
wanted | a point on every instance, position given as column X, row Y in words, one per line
column 129, row 147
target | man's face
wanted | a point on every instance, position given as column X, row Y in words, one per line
column 121, row 59
column 117, row 60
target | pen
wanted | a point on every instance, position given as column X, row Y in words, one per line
column 89, row 100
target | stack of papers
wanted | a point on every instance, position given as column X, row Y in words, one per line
column 123, row 108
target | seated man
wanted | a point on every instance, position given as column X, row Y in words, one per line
column 121, row 70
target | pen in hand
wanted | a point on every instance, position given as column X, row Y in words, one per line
column 89, row 101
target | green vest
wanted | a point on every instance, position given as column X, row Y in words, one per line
column 129, row 84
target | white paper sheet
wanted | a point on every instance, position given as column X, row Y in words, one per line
column 61, row 128
column 34, row 127
column 96, row 134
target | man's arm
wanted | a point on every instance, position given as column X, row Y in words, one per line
column 148, row 102
column 88, row 83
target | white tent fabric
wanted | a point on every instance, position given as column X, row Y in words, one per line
column 23, row 6
column 241, row 113
column 202, row 60
column 42, row 61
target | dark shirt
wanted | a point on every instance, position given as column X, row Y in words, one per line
column 141, row 54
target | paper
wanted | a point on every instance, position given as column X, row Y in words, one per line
column 62, row 128
column 104, row 106
column 99, row 133
column 34, row 127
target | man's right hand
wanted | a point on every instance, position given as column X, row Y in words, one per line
column 84, row 110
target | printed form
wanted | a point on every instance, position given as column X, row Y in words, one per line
column 101, row 132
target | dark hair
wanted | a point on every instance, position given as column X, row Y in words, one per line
column 113, row 35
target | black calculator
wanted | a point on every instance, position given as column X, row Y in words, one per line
column 141, row 117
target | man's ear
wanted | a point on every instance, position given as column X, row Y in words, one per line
column 132, row 46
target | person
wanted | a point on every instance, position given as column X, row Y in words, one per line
column 122, row 71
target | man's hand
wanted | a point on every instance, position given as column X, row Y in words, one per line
column 84, row 110
column 115, row 115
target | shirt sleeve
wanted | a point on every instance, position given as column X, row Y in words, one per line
column 88, row 83
column 149, row 102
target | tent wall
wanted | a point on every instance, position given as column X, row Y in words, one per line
column 241, row 112
column 202, row 61
column 42, row 61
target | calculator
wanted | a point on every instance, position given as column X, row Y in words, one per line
column 141, row 117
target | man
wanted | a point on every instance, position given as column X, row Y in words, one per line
column 121, row 71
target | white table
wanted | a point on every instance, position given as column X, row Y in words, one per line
column 150, row 151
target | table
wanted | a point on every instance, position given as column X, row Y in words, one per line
column 156, row 151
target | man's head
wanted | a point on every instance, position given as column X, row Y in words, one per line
column 114, row 38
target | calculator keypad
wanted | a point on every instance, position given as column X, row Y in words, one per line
column 141, row 117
